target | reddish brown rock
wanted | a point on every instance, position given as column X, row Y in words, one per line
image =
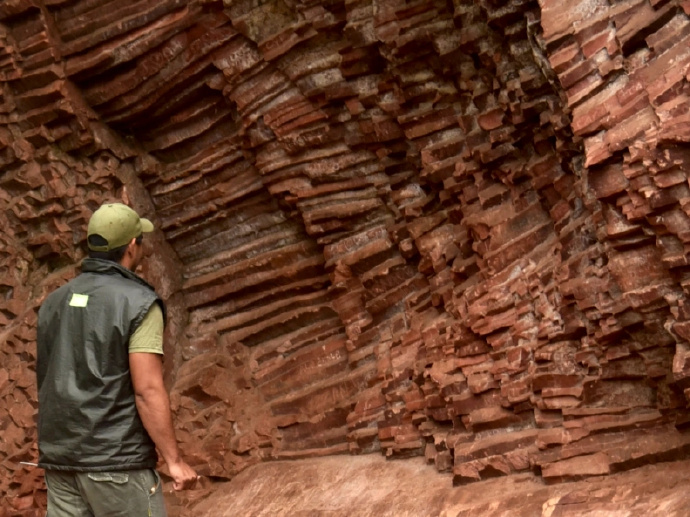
column 370, row 485
column 456, row 231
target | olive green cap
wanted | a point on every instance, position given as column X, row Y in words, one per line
column 117, row 225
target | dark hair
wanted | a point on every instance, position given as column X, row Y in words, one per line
column 114, row 255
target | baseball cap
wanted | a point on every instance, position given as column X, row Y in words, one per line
column 117, row 225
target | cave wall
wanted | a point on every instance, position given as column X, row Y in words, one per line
column 443, row 228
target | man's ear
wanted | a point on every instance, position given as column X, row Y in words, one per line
column 129, row 253
column 130, row 246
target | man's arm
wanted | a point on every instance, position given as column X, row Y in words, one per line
column 153, row 405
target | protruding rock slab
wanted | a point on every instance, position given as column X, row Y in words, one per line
column 363, row 486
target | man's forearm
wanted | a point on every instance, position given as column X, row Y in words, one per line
column 153, row 405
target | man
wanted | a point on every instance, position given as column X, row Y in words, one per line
column 103, row 407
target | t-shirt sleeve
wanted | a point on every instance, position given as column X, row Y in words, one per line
column 148, row 337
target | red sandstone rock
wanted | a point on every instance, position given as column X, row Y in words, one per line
column 410, row 229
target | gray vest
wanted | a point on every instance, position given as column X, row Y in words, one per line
column 87, row 417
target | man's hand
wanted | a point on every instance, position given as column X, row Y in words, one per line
column 184, row 476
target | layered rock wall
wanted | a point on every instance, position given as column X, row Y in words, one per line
column 450, row 229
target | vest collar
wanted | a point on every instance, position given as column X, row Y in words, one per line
column 108, row 267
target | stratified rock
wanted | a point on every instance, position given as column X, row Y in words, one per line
column 455, row 230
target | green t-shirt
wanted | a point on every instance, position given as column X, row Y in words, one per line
column 148, row 337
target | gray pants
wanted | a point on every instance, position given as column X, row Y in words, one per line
column 131, row 493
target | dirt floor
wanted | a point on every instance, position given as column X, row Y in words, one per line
column 340, row 486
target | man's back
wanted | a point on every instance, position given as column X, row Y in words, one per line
column 88, row 419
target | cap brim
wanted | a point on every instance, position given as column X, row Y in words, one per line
column 146, row 225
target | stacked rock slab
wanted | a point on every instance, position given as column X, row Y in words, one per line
column 449, row 229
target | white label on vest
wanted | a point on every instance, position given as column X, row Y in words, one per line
column 79, row 300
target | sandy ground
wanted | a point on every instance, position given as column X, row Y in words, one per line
column 370, row 485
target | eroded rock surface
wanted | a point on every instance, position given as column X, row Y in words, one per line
column 343, row 486
column 454, row 230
